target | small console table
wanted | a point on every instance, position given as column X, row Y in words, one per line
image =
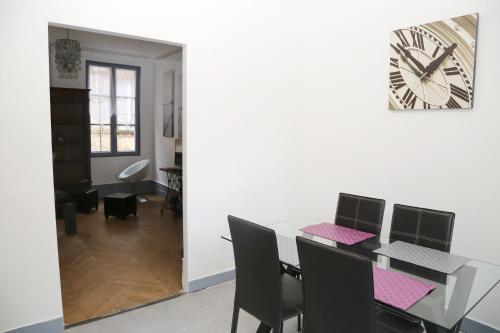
column 173, row 196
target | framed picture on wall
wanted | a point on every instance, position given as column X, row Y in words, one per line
column 432, row 65
column 168, row 104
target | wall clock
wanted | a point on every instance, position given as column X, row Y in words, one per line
column 432, row 65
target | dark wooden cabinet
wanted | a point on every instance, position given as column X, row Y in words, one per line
column 70, row 137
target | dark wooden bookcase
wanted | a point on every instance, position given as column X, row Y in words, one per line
column 70, row 137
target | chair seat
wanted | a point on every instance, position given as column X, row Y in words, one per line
column 389, row 323
column 292, row 296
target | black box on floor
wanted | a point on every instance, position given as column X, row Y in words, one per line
column 120, row 205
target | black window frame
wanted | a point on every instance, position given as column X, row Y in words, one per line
column 113, row 125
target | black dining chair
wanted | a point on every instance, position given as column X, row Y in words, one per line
column 355, row 212
column 261, row 288
column 421, row 226
column 361, row 213
column 339, row 293
column 424, row 227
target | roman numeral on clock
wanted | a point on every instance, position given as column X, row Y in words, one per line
column 402, row 38
column 395, row 62
column 452, row 104
column 451, row 71
column 459, row 92
column 397, row 80
column 410, row 98
column 398, row 51
column 426, row 106
column 418, row 40
column 435, row 52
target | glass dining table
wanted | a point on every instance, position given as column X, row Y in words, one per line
column 442, row 310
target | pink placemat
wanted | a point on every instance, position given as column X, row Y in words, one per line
column 398, row 290
column 337, row 233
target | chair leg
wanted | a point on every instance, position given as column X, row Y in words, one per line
column 299, row 323
column 234, row 324
column 263, row 328
column 278, row 328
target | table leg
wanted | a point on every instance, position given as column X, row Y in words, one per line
column 173, row 195
column 433, row 328
column 164, row 205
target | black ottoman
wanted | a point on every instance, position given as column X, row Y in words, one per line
column 86, row 200
column 120, row 204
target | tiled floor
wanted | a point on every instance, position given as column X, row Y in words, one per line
column 206, row 311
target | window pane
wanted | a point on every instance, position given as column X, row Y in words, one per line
column 100, row 80
column 100, row 110
column 100, row 138
column 125, row 82
column 125, row 111
column 125, row 138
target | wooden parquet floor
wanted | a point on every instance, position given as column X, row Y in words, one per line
column 113, row 265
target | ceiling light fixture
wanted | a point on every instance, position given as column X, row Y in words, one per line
column 68, row 57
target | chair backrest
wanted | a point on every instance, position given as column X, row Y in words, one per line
column 338, row 289
column 258, row 272
column 421, row 226
column 361, row 213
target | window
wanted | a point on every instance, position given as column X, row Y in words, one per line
column 114, row 108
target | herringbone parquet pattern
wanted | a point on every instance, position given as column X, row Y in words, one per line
column 112, row 265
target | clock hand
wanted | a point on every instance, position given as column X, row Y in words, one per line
column 431, row 68
column 413, row 69
column 408, row 55
column 425, row 78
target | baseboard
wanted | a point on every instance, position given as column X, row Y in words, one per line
column 147, row 186
column 472, row 326
column 50, row 326
column 211, row 280
column 159, row 188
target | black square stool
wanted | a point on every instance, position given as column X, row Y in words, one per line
column 120, row 205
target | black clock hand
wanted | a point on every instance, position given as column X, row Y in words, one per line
column 435, row 64
column 414, row 70
column 408, row 55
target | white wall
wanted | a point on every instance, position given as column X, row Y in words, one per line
column 285, row 106
column 105, row 170
column 29, row 271
column 164, row 154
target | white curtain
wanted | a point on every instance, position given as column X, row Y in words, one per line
column 100, row 94
column 125, row 96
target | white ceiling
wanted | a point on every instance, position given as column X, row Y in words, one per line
column 113, row 44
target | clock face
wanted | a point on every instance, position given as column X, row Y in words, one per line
column 432, row 65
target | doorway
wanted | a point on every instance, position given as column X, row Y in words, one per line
column 112, row 137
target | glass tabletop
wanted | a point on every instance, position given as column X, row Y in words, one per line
column 453, row 298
